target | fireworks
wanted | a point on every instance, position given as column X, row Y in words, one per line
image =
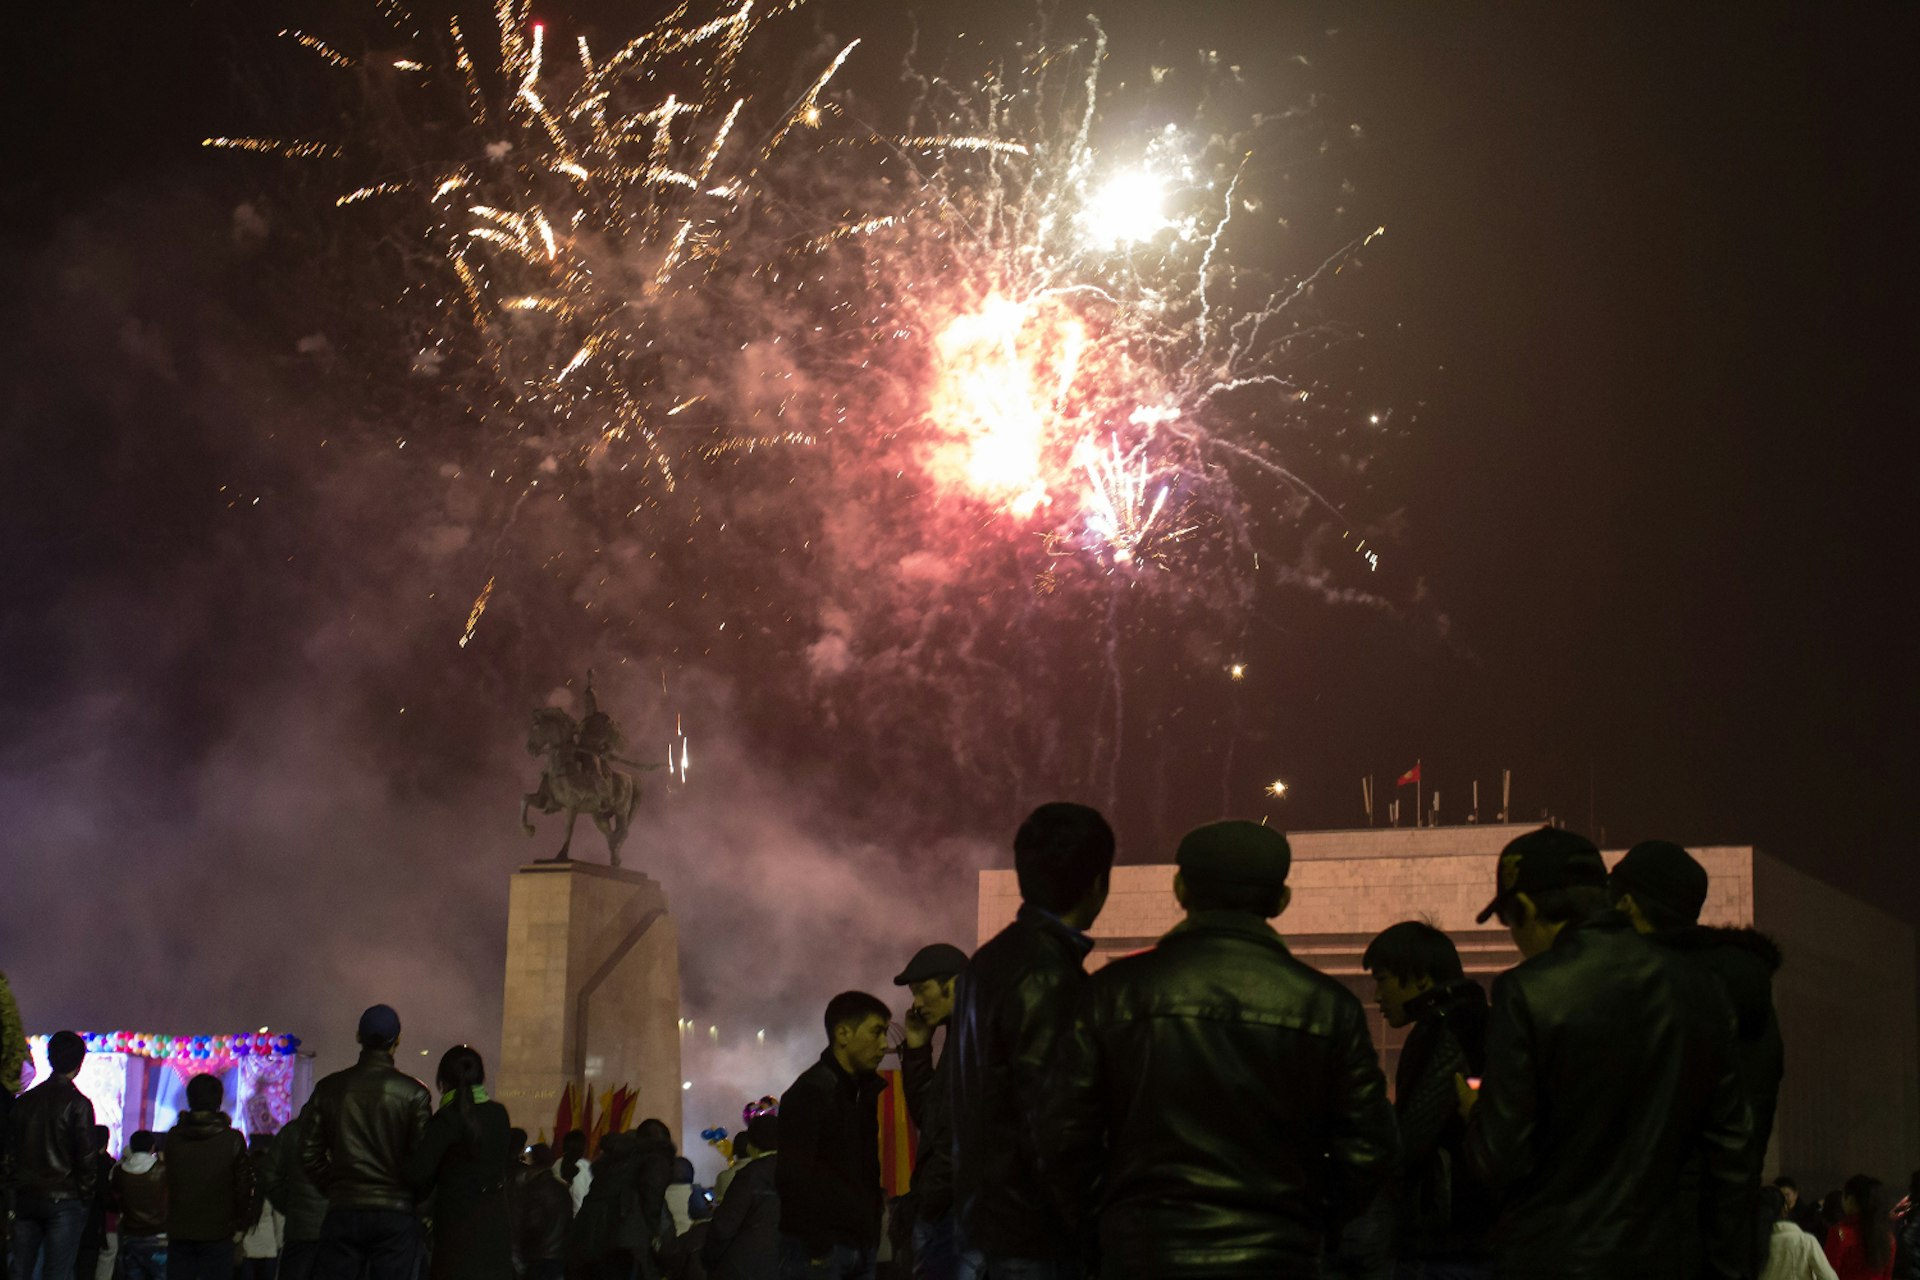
column 573, row 203
column 1088, row 347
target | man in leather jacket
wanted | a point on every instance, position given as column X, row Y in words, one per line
column 1218, row 1107
column 1611, row 1125
column 1010, row 1006
column 1441, row 1213
column 356, row 1133
column 1661, row 888
column 940, row 1252
column 50, row 1154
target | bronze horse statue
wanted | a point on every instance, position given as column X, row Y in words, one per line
column 580, row 776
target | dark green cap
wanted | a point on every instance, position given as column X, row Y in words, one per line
column 1236, row 852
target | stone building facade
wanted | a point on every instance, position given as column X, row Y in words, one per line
column 1846, row 994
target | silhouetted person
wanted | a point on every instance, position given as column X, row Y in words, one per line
column 1440, row 1214
column 743, row 1240
column 1662, row 889
column 543, row 1217
column 829, row 1168
column 1860, row 1245
column 140, row 1192
column 209, row 1186
column 95, row 1240
column 574, row 1169
column 939, row 1252
column 464, row 1162
column 1611, row 1126
column 265, row 1236
column 50, row 1147
column 302, row 1205
column 1218, row 1107
column 1906, row 1238
column 620, row 1218
column 366, row 1123
column 1011, row 1006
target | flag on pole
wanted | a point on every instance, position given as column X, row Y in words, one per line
column 1409, row 778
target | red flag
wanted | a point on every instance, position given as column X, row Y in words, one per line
column 1410, row 777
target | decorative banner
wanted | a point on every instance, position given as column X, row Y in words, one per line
column 898, row 1140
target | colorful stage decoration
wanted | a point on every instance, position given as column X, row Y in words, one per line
column 137, row 1079
column 577, row 1111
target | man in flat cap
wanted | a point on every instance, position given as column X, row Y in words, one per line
column 1662, row 888
column 1610, row 1125
column 1218, row 1108
column 938, row 1251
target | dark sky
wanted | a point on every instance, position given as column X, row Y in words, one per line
column 1643, row 320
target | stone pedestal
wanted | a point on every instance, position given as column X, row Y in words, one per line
column 592, row 992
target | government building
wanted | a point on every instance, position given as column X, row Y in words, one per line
column 1846, row 992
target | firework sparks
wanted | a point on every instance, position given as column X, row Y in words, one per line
column 570, row 203
column 1277, row 789
column 473, row 616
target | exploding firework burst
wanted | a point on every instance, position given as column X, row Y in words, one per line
column 574, row 200
column 1085, row 357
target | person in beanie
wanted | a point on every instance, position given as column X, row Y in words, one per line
column 1217, row 1108
column 829, row 1169
column 1662, row 888
column 140, row 1191
column 1611, row 1126
column 1440, row 1214
column 209, row 1186
column 938, row 1253
column 357, row 1132
column 50, row 1151
column 1010, row 1006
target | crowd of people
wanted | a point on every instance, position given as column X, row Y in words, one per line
column 1209, row 1107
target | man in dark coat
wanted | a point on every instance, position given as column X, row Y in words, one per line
column 140, row 1193
column 939, row 1251
column 95, row 1239
column 1662, row 889
column 209, row 1186
column 1011, row 1005
column 1440, row 1214
column 1218, row 1108
column 743, row 1239
column 49, row 1150
column 356, row 1134
column 1611, row 1126
column 829, row 1170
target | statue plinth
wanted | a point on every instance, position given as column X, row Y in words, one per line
column 592, row 992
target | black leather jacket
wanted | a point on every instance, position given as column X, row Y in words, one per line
column 1218, row 1105
column 1611, row 1125
column 828, row 1174
column 930, row 1103
column 1010, row 1006
column 50, row 1143
column 359, row 1128
column 1441, row 1211
column 542, row 1215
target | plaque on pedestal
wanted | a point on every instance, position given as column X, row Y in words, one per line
column 592, row 992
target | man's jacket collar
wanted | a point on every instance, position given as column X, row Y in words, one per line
column 845, row 1080
column 1053, row 926
column 1241, row 924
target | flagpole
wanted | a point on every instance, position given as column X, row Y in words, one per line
column 1418, row 782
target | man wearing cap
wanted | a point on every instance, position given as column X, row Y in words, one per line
column 929, row 976
column 1662, row 888
column 1010, row 1007
column 356, row 1133
column 1218, row 1108
column 1610, row 1125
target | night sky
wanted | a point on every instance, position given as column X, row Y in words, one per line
column 1641, row 325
